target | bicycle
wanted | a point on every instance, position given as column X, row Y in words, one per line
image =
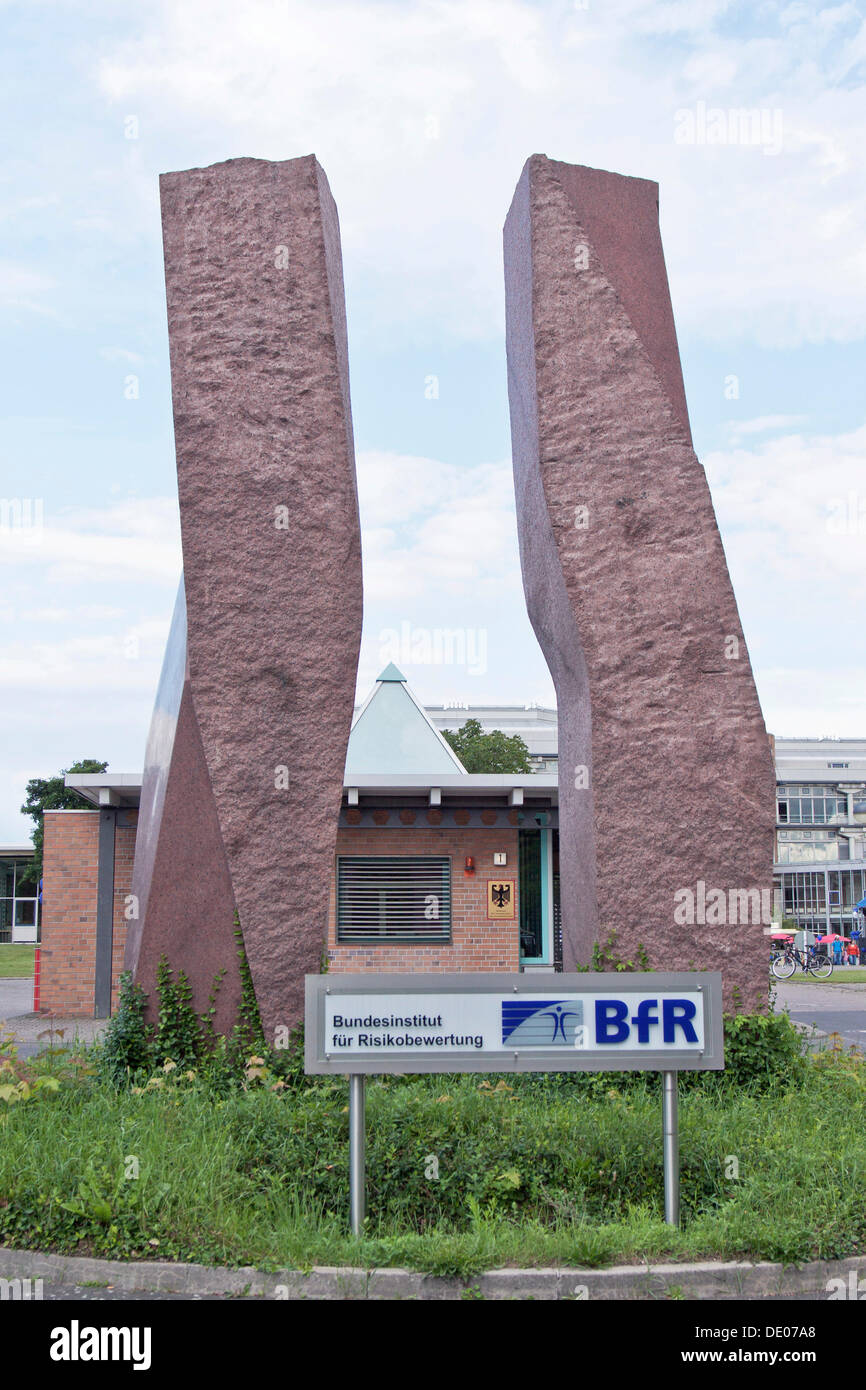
column 784, row 965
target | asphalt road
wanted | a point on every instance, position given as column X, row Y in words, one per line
column 831, row 1006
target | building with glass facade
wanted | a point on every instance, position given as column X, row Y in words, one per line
column 820, row 861
column 19, row 895
column 821, row 831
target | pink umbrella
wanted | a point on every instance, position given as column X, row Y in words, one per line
column 834, row 936
column 781, row 936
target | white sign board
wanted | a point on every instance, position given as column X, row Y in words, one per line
column 427, row 1023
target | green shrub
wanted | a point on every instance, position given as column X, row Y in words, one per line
column 248, row 1033
column 763, row 1050
column 125, row 1047
column 179, row 1033
column 131, row 1046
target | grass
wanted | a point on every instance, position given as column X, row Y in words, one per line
column 536, row 1171
column 16, row 961
column 843, row 974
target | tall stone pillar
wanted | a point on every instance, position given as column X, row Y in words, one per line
column 666, row 775
column 247, row 749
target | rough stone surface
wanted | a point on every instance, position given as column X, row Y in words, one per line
column 272, row 567
column 631, row 599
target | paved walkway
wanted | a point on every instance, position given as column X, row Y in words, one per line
column 832, row 1006
column 16, row 997
column 35, row 1031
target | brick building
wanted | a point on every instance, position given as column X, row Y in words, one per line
column 421, row 847
column 86, row 880
column 436, row 868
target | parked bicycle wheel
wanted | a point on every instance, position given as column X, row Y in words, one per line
column 784, row 967
column 823, row 968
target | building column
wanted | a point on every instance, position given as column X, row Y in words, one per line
column 104, row 913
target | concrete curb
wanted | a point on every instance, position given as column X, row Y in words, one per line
column 710, row 1280
column 815, row 1040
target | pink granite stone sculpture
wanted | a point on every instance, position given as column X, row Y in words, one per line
column 184, row 914
column 666, row 779
column 245, row 762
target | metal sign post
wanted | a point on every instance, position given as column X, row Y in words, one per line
column 357, row 1157
column 671, row 1148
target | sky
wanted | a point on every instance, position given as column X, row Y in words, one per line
column 422, row 113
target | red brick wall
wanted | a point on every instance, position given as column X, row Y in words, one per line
column 69, row 911
column 476, row 944
column 124, row 853
column 70, row 888
column 69, row 892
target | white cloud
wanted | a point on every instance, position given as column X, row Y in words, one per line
column 764, row 424
column 21, row 287
column 115, row 661
column 669, row 17
column 441, row 557
column 119, row 354
column 20, row 205
column 84, row 613
column 46, row 615
column 797, row 705
column 136, row 540
column 422, row 115
column 432, row 529
column 796, row 490
column 792, row 512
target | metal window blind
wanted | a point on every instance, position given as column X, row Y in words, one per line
column 393, row 898
column 530, row 870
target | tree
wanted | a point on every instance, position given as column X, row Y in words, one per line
column 52, row 794
column 493, row 752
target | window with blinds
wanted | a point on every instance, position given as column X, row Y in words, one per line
column 393, row 898
column 530, row 871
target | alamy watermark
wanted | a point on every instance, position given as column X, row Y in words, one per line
column 77, row 1343
column 847, row 515
column 715, row 907
column 760, row 126
column 17, row 1290
column 24, row 515
column 425, row 646
column 855, row 1289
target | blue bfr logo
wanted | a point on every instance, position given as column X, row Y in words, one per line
column 676, row 1016
column 541, row 1022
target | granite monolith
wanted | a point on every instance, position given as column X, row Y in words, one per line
column 272, row 581
column 666, row 780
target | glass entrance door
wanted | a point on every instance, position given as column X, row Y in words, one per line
column 536, row 896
